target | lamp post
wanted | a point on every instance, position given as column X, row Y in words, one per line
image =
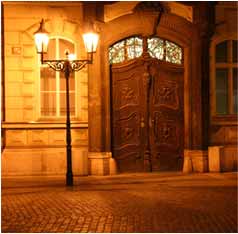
column 67, row 66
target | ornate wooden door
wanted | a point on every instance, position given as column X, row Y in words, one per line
column 147, row 115
column 127, row 108
column 166, row 116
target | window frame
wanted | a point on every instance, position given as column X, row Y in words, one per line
column 231, row 117
column 58, row 92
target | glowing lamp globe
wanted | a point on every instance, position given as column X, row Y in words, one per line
column 90, row 41
column 41, row 39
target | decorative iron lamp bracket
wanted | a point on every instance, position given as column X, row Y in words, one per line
column 41, row 41
column 72, row 65
column 67, row 66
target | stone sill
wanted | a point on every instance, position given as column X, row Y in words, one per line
column 224, row 120
column 42, row 125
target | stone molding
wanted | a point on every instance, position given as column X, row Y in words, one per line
column 101, row 163
column 43, row 161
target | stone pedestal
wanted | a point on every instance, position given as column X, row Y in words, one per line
column 195, row 161
column 101, row 163
column 113, row 166
column 215, row 154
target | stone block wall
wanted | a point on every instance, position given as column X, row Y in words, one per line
column 33, row 144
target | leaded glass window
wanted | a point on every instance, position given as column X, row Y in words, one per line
column 117, row 52
column 173, row 53
column 156, row 48
column 132, row 47
column 164, row 50
column 127, row 49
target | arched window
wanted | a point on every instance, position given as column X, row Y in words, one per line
column 124, row 50
column 132, row 47
column 226, row 77
column 164, row 50
column 52, row 83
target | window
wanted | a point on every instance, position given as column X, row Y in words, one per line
column 52, row 83
column 226, row 77
column 127, row 49
column 164, row 50
column 156, row 47
column 131, row 48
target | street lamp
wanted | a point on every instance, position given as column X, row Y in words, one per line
column 67, row 66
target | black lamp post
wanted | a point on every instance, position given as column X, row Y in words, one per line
column 67, row 66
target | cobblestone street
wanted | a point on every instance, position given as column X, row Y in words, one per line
column 156, row 202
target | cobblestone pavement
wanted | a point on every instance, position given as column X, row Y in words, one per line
column 156, row 202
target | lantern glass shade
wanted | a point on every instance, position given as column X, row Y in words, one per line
column 41, row 39
column 90, row 41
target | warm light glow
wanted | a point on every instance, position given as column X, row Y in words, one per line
column 41, row 38
column 41, row 41
column 90, row 41
column 71, row 57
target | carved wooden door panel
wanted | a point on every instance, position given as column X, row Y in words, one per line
column 166, row 116
column 147, row 115
column 127, row 112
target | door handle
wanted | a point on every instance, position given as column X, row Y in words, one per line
column 142, row 122
column 151, row 122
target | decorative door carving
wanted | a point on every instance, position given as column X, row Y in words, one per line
column 147, row 115
column 166, row 114
column 127, row 106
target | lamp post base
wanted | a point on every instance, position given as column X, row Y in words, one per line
column 69, row 179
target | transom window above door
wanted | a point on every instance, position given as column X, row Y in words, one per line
column 132, row 47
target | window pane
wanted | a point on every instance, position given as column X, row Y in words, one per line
column 47, row 79
column 221, row 52
column 63, row 46
column 156, row 48
column 235, row 95
column 63, row 82
column 234, row 49
column 51, row 52
column 48, row 104
column 222, row 91
column 173, row 53
column 134, row 47
column 63, row 103
column 117, row 52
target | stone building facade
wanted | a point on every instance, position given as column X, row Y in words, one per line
column 33, row 143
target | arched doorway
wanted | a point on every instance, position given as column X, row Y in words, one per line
column 147, row 107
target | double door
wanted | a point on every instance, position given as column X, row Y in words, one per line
column 147, row 115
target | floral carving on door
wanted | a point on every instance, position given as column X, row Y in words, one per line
column 167, row 95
